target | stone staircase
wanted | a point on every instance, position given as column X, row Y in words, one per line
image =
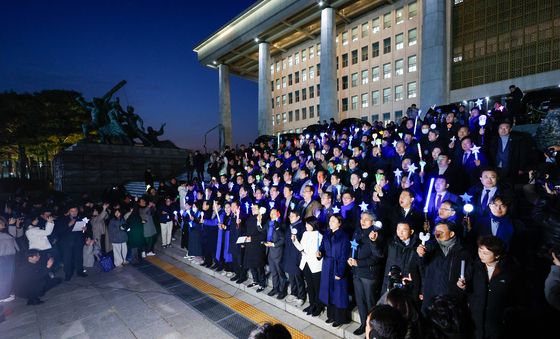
column 344, row 331
column 137, row 188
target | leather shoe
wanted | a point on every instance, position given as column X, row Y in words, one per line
column 360, row 330
column 329, row 320
column 239, row 281
column 260, row 289
column 281, row 295
column 252, row 285
column 234, row 278
column 336, row 324
column 272, row 293
column 308, row 310
column 82, row 274
column 317, row 311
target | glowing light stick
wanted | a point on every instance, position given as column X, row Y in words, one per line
column 431, row 187
column 415, row 124
column 419, row 151
column 462, row 269
column 424, row 237
column 411, row 169
column 354, row 246
column 475, row 150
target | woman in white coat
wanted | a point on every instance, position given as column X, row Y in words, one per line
column 310, row 265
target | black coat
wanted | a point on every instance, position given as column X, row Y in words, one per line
column 255, row 250
column 441, row 272
column 292, row 256
column 490, row 299
column 406, row 258
column 369, row 255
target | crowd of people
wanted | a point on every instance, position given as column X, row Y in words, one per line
column 440, row 225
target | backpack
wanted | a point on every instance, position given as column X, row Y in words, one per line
column 106, row 263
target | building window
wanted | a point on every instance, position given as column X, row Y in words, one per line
column 318, row 69
column 344, row 38
column 365, row 29
column 365, row 54
column 284, row 99
column 386, row 116
column 271, row 69
column 375, row 73
column 365, row 100
column 412, row 63
column 387, row 70
column 290, row 116
column 355, row 102
column 344, row 60
column 345, row 82
column 296, row 58
column 290, row 61
column 272, row 86
column 278, row 66
column 399, row 15
column 304, row 55
column 364, row 118
column 386, row 45
column 387, row 20
column 318, row 111
column 386, row 95
column 311, row 52
column 303, row 113
column 284, row 117
column 284, row 82
column 290, row 79
column 304, row 94
column 412, row 37
column 354, row 79
column 318, row 48
column 290, row 98
column 277, row 119
column 399, row 41
column 304, row 75
column 297, row 114
column 297, row 96
column 412, row 11
column 318, row 86
column 344, row 104
column 399, row 93
column 311, row 92
column 398, row 115
column 297, row 77
column 311, row 111
column 272, row 102
column 284, row 64
column 278, row 101
column 375, row 25
column 375, row 49
column 365, row 77
column 277, row 83
column 374, row 117
column 412, row 90
column 311, row 72
column 354, row 57
column 375, row 98
column 354, row 34
column 399, row 67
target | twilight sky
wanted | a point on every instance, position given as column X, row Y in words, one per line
column 89, row 46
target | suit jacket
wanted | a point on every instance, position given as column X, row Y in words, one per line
column 518, row 154
column 310, row 210
column 432, row 208
column 278, row 239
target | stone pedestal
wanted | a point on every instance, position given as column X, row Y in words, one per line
column 92, row 168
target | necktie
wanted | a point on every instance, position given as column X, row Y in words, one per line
column 286, row 210
column 465, row 157
column 270, row 231
column 438, row 201
column 485, row 199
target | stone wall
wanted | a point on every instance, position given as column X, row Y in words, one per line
column 93, row 167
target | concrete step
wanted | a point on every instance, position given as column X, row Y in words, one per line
column 137, row 188
column 344, row 331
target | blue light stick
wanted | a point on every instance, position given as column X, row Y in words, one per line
column 354, row 245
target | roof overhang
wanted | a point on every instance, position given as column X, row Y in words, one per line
column 281, row 23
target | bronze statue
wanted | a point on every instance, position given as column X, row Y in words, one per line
column 117, row 126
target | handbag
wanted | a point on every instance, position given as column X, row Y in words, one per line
column 106, row 263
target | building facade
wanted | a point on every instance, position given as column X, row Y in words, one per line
column 372, row 59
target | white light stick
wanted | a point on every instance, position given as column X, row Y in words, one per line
column 462, row 269
column 202, row 216
column 468, row 208
column 237, row 214
column 431, row 187
column 398, row 174
column 400, row 135
column 278, row 141
column 475, row 150
column 415, row 124
column 419, row 151
column 482, row 120
column 411, row 169
column 424, row 237
column 453, row 139
column 422, row 165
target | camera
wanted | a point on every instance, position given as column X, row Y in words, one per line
column 395, row 277
column 550, row 152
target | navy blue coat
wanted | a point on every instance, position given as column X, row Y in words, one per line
column 335, row 249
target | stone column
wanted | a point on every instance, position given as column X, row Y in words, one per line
column 265, row 106
column 434, row 86
column 329, row 98
column 225, row 106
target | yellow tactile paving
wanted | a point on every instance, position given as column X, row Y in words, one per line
column 237, row 305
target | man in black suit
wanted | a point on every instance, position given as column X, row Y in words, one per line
column 274, row 244
column 508, row 152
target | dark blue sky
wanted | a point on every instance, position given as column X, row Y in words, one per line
column 89, row 46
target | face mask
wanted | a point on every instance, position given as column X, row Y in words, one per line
column 425, row 130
